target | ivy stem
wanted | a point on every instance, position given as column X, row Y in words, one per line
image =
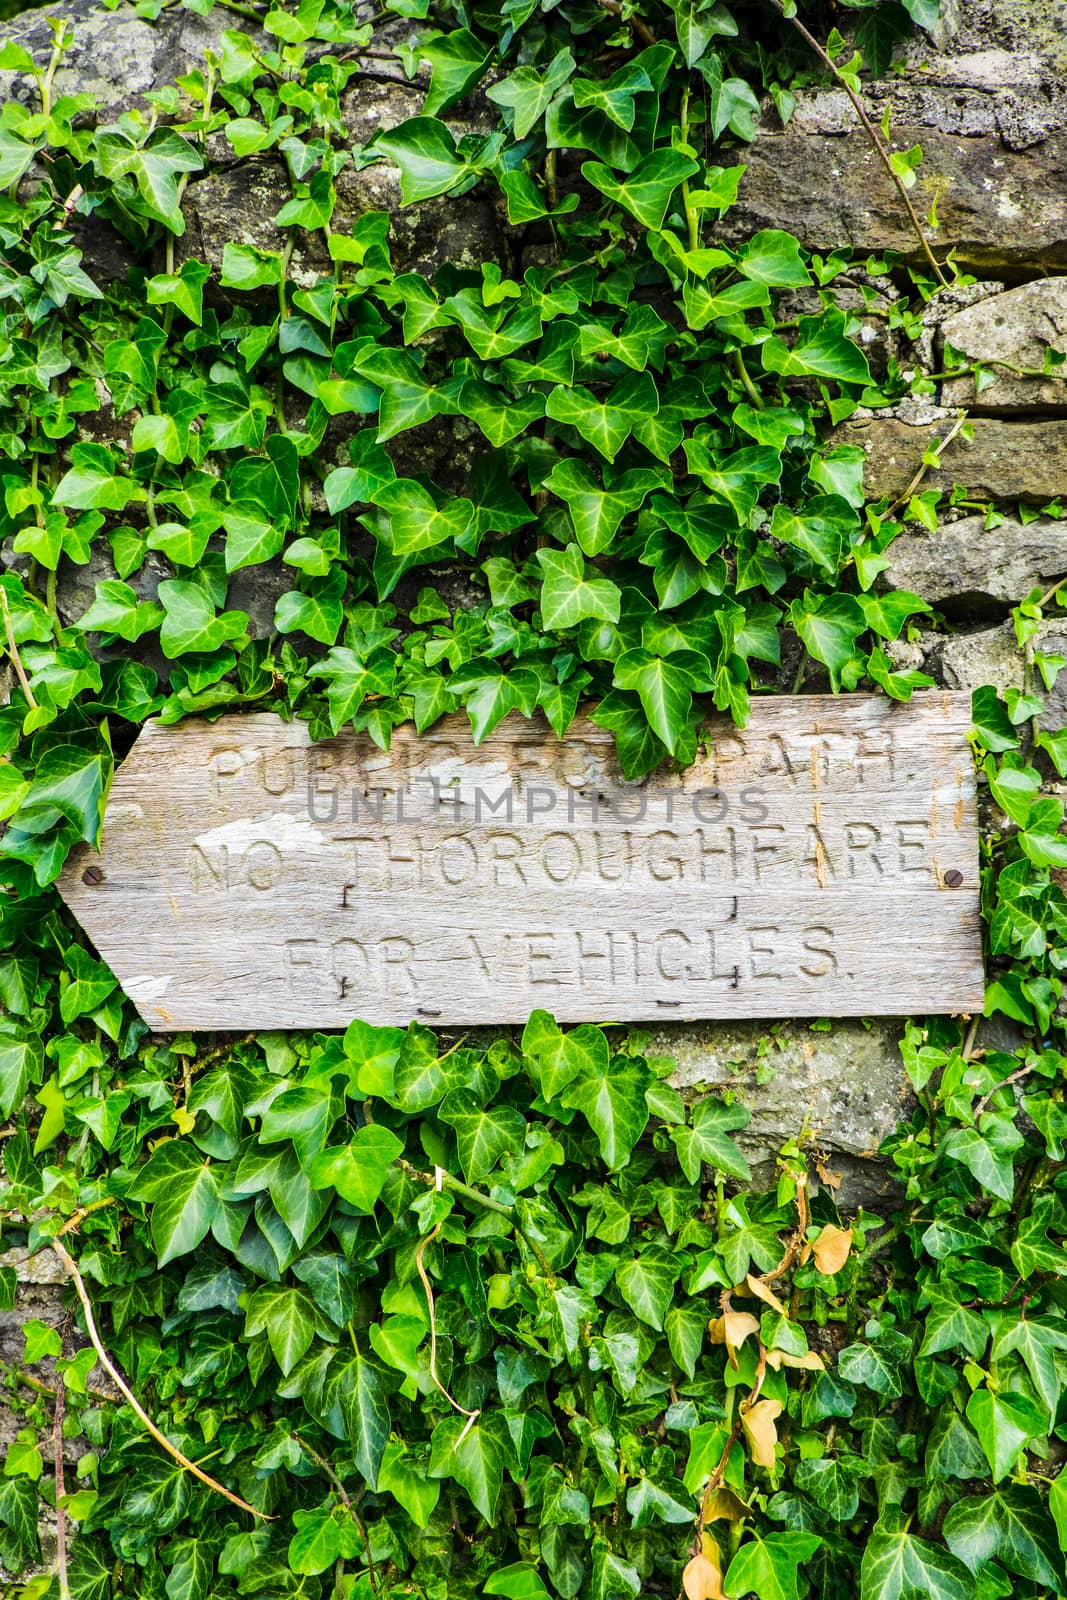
column 420, row 1268
column 1013, row 1077
column 1050, row 594
column 71, row 1268
column 48, row 77
column 692, row 219
column 342, row 1494
column 902, row 500
column 737, row 361
column 872, row 133
column 13, row 652
column 442, row 1179
column 283, row 312
column 61, row 1489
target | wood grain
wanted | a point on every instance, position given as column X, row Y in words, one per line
column 823, row 862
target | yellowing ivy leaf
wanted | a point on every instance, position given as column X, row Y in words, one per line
column 732, row 1329
column 702, row 1578
column 759, row 1421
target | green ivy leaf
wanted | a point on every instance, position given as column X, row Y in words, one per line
column 1010, row 1526
column 21, row 1062
column 828, row 626
column 358, row 1170
column 698, row 22
column 769, row 1566
column 949, row 1325
column 361, row 1388
column 402, row 1476
column 316, row 1545
column 190, row 622
column 568, row 595
column 611, row 1097
column 897, row 1565
column 426, row 154
column 833, row 1484
column 707, row 1139
column 876, row 1365
column 606, row 424
column 457, row 61
column 646, row 191
column 528, row 93
column 474, row 1455
column 184, row 1192
column 155, row 168
column 664, row 685
column 288, row 1318
column 16, row 154
column 647, row 1282
column 598, row 512
column 1005, row 1425
column 822, row 350
column 483, row 1136
column 90, row 984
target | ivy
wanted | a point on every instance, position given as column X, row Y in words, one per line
column 508, row 1318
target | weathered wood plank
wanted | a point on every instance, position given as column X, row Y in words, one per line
column 823, row 862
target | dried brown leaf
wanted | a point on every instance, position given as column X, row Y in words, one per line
column 759, row 1421
column 832, row 1249
column 702, row 1578
column 810, row 1361
column 732, row 1329
column 829, row 1180
column 757, row 1287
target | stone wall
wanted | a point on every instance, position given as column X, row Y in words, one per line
column 985, row 99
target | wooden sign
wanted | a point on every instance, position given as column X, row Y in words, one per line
column 823, row 861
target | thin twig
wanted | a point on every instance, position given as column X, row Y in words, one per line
column 942, row 444
column 971, row 1038
column 71, row 1269
column 471, row 1416
column 76, row 1218
column 13, row 652
column 1013, row 1077
column 68, row 206
column 440, row 1179
column 30, row 1382
column 1050, row 594
column 796, row 1238
column 719, row 1471
column 872, row 134
column 61, row 1489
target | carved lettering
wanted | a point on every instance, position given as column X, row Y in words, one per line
column 786, row 872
